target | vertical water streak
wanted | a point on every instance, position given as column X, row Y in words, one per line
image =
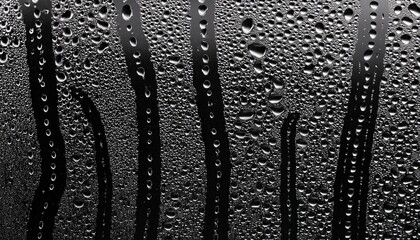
column 288, row 177
column 40, row 57
column 352, row 175
column 143, row 81
column 211, row 111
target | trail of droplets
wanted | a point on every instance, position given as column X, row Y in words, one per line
column 143, row 81
column 352, row 176
column 288, row 202
column 40, row 58
column 277, row 57
column 103, row 169
column 210, row 109
column 393, row 203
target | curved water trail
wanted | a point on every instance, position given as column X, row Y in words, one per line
column 103, row 168
column 43, row 84
column 211, row 111
column 143, row 81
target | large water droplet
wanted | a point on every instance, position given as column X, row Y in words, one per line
column 127, row 13
column 257, row 50
column 247, row 25
column 414, row 9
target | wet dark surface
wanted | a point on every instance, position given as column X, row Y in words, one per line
column 209, row 119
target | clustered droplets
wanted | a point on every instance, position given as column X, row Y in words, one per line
column 166, row 25
column 274, row 58
column 19, row 158
column 393, row 209
column 89, row 56
column 279, row 58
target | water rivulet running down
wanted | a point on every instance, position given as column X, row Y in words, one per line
column 205, row 119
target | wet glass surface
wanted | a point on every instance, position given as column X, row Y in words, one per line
column 204, row 119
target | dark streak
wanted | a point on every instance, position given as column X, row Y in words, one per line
column 103, row 168
column 288, row 178
column 216, row 188
column 364, row 139
column 53, row 158
column 148, row 198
